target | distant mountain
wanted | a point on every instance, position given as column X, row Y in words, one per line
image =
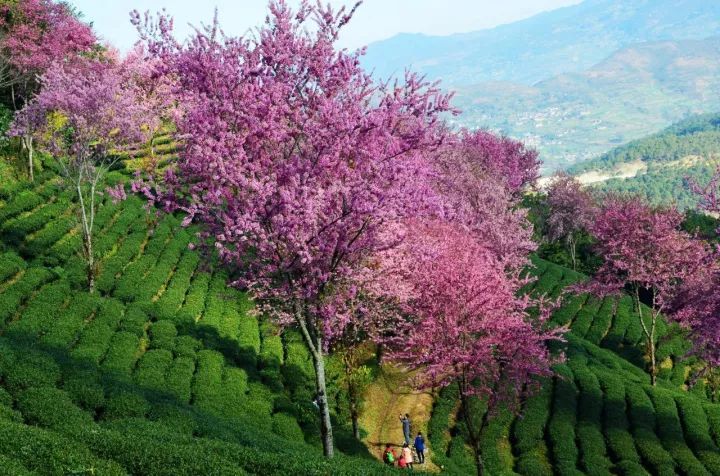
column 569, row 39
column 573, row 117
column 656, row 166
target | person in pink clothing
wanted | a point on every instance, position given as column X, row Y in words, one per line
column 407, row 455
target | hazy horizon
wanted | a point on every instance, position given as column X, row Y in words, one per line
column 375, row 20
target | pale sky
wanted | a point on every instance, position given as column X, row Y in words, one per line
column 375, row 19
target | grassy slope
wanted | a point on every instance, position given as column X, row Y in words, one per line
column 600, row 415
column 163, row 371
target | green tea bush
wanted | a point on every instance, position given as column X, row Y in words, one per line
column 529, row 432
column 186, row 346
column 114, row 266
column 22, row 202
column 619, row 440
column 52, row 408
column 16, row 294
column 125, row 404
column 151, row 369
column 569, row 309
column 95, row 338
column 495, row 445
column 561, row 427
column 173, row 297
column 179, row 378
column 697, row 432
column 195, row 300
column 585, row 316
column 162, row 335
column 121, row 355
column 66, row 327
column 670, row 432
column 642, row 422
column 83, row 385
column 602, row 322
column 10, row 265
column 32, row 368
column 135, row 319
column 48, row 236
column 286, row 426
column 590, row 407
column 50, row 453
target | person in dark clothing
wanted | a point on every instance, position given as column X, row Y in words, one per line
column 420, row 447
column 405, row 420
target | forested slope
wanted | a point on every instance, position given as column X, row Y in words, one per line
column 661, row 162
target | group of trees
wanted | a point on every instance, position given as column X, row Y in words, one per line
column 647, row 252
column 345, row 206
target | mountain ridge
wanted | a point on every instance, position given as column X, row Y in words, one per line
column 567, row 39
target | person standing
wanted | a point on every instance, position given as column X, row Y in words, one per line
column 405, row 420
column 407, row 455
column 420, row 447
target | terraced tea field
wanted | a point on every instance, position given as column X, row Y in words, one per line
column 162, row 371
column 165, row 371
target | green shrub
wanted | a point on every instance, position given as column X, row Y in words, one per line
column 670, row 432
column 569, row 309
column 619, row 440
column 13, row 467
column 529, row 431
column 32, row 369
column 40, row 313
column 16, row 294
column 561, row 427
column 286, row 426
column 125, row 404
column 208, row 379
column 585, row 316
column 10, row 265
column 179, row 378
column 642, row 422
column 589, row 420
column 49, row 453
column 114, row 266
column 162, row 335
column 22, row 202
column 697, row 432
column 85, row 389
column 602, row 322
column 173, row 297
column 186, row 346
column 52, row 408
column 65, row 328
column 195, row 300
column 135, row 320
column 121, row 355
column 495, row 444
column 151, row 369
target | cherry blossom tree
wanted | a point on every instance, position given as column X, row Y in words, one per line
column 571, row 212
column 481, row 201
column 33, row 35
column 294, row 161
column 461, row 320
column 86, row 112
column 697, row 307
column 646, row 252
column 507, row 160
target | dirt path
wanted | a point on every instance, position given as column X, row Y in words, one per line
column 385, row 399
